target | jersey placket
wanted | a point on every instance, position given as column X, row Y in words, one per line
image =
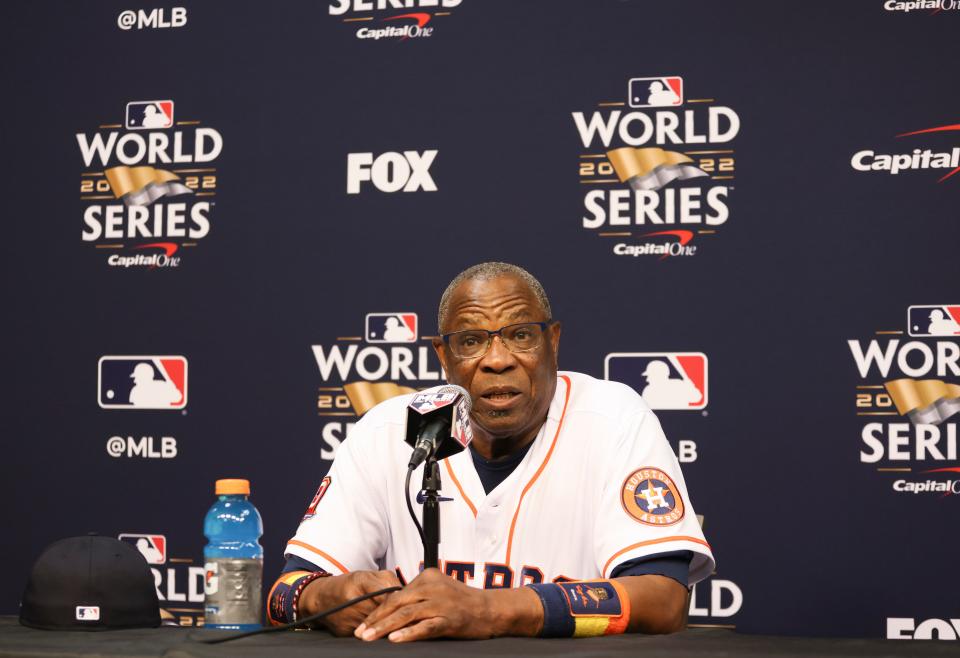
column 495, row 510
column 491, row 527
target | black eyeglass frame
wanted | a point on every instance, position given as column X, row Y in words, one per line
column 499, row 332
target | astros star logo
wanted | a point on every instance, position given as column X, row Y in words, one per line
column 655, row 496
column 650, row 496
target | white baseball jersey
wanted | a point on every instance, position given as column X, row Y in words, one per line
column 598, row 487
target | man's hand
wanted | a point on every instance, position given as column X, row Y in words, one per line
column 436, row 605
column 325, row 593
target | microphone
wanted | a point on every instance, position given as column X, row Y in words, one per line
column 433, row 416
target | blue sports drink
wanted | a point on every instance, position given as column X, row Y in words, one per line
column 233, row 559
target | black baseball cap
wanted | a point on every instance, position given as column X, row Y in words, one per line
column 90, row 583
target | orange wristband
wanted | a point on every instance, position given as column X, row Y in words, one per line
column 583, row 608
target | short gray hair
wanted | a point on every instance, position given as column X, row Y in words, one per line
column 485, row 272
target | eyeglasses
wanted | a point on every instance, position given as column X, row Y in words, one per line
column 474, row 343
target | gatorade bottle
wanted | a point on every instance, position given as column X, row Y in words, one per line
column 233, row 559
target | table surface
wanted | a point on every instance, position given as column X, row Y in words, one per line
column 172, row 642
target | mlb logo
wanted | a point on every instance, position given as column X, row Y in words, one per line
column 667, row 381
column 148, row 115
column 88, row 613
column 655, row 92
column 142, row 382
column 153, row 548
column 391, row 328
column 933, row 320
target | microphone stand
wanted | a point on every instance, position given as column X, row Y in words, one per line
column 430, row 496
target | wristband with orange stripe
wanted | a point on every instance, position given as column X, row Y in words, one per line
column 583, row 608
column 284, row 598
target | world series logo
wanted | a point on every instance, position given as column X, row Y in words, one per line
column 357, row 372
column 147, row 185
column 908, row 396
column 656, row 168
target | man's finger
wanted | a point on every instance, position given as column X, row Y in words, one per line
column 404, row 616
column 344, row 623
column 422, row 630
column 386, row 607
column 393, row 602
column 386, row 610
column 358, row 611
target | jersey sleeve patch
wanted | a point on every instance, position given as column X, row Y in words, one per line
column 652, row 498
column 317, row 497
column 591, row 599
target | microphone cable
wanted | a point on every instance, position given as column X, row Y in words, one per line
column 413, row 515
column 305, row 620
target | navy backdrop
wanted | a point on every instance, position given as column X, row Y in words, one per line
column 762, row 232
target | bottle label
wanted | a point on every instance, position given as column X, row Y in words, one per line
column 232, row 589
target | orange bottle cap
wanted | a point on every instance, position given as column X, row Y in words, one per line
column 233, row 486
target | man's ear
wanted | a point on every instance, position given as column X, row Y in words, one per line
column 554, row 330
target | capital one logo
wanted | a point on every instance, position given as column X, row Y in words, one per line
column 391, row 171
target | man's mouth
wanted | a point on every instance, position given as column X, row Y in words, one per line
column 501, row 397
column 505, row 395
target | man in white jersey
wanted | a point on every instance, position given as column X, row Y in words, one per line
column 568, row 479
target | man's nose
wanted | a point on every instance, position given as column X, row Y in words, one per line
column 498, row 358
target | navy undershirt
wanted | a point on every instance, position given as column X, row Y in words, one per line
column 673, row 564
column 494, row 471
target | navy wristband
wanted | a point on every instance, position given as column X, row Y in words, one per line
column 557, row 621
